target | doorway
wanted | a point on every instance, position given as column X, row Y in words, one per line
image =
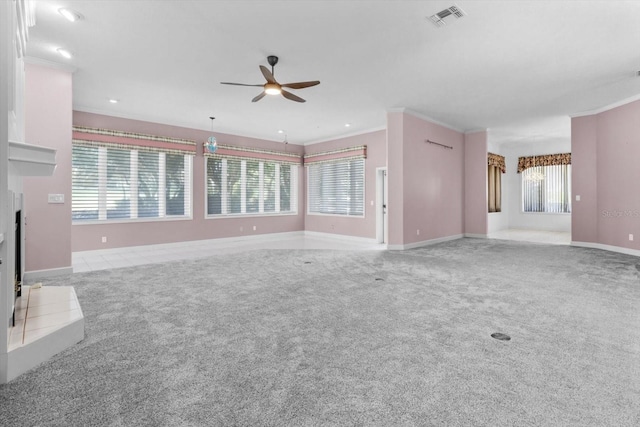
column 382, row 221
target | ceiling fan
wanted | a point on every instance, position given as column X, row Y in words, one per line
column 272, row 87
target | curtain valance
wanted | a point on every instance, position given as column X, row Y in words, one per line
column 246, row 153
column 127, row 140
column 544, row 160
column 497, row 161
column 359, row 152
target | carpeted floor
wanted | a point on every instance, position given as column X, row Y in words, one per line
column 336, row 338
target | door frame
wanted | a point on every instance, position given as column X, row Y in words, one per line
column 382, row 198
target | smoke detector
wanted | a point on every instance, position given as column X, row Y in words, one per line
column 453, row 12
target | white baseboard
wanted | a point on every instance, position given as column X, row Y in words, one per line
column 340, row 237
column 188, row 243
column 424, row 243
column 475, row 236
column 31, row 276
column 619, row 249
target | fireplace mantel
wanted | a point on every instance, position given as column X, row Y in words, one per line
column 31, row 160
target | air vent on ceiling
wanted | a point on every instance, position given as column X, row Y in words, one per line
column 453, row 12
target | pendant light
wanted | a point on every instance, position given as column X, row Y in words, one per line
column 534, row 175
column 211, row 144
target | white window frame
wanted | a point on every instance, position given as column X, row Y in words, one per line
column 569, row 197
column 293, row 202
column 133, row 191
column 364, row 192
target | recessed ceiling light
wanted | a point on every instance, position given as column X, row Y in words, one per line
column 64, row 52
column 113, row 101
column 280, row 131
column 347, row 125
column 70, row 14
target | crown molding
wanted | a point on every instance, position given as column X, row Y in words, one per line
column 347, row 135
column 608, row 107
column 424, row 117
column 468, row 132
column 50, row 64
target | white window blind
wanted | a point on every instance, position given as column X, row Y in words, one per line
column 547, row 189
column 243, row 187
column 336, row 187
column 121, row 183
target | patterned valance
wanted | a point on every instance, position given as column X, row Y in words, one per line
column 544, row 160
column 247, row 153
column 359, row 152
column 127, row 140
column 497, row 160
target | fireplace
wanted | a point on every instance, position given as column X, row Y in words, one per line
column 18, row 278
column 17, row 289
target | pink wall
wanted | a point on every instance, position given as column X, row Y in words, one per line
column 89, row 236
column 615, row 135
column 584, row 215
column 432, row 180
column 376, row 157
column 475, row 183
column 395, row 178
column 48, row 98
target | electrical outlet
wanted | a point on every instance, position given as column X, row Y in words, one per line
column 241, row 228
column 417, row 232
column 104, row 239
column 631, row 237
column 254, row 228
column 577, row 197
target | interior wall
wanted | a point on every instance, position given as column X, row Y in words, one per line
column 48, row 109
column 476, row 210
column 395, row 179
column 615, row 136
column 376, row 157
column 136, row 233
column 432, row 180
column 584, row 217
column 512, row 193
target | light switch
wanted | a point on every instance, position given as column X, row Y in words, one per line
column 577, row 197
column 56, row 198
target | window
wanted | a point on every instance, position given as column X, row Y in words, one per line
column 496, row 167
column 336, row 187
column 241, row 187
column 547, row 189
column 123, row 184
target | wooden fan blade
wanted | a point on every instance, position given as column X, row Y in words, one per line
column 267, row 74
column 238, row 84
column 292, row 97
column 301, row 85
column 259, row 97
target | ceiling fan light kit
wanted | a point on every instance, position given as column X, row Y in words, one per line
column 272, row 87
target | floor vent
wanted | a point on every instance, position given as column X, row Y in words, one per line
column 500, row 336
column 453, row 12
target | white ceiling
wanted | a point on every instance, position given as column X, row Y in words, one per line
column 517, row 68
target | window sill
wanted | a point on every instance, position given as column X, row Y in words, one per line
column 335, row 215
column 132, row 221
column 251, row 215
column 545, row 213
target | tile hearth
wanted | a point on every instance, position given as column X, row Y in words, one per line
column 48, row 320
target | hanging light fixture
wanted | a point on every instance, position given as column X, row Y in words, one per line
column 211, row 144
column 534, row 175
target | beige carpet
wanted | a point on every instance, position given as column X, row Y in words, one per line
column 328, row 338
